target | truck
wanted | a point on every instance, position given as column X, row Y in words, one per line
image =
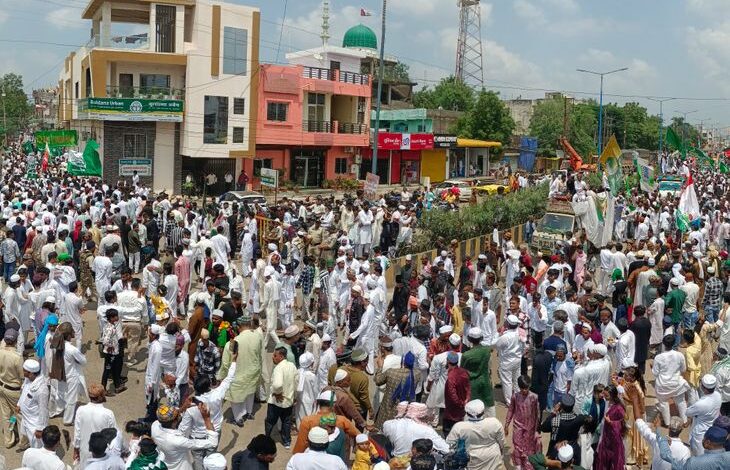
column 557, row 225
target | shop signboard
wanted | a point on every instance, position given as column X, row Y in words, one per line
column 398, row 141
column 269, row 177
column 370, row 189
column 444, row 141
column 131, row 109
column 128, row 166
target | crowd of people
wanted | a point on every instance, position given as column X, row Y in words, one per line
column 223, row 315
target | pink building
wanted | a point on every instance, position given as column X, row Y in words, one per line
column 312, row 122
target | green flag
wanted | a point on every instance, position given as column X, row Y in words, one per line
column 28, row 147
column 723, row 167
column 682, row 222
column 702, row 157
column 86, row 164
column 674, row 141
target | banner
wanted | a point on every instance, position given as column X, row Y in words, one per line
column 370, row 188
column 398, row 141
column 702, row 158
column 610, row 160
column 62, row 138
column 131, row 109
column 86, row 164
column 647, row 175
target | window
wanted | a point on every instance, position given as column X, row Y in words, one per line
column 261, row 163
column 239, row 105
column 165, row 28
column 341, row 166
column 276, row 111
column 315, row 113
column 238, row 135
column 76, row 90
column 215, row 120
column 154, row 84
column 135, row 146
column 235, row 42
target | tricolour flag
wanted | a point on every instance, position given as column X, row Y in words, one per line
column 688, row 203
column 364, row 12
column 44, row 162
column 610, row 160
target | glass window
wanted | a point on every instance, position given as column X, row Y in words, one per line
column 238, row 135
column 341, row 166
column 235, row 42
column 261, row 163
column 135, row 146
column 276, row 111
column 239, row 105
column 215, row 121
column 315, row 113
column 154, row 84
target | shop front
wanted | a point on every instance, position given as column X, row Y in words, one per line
column 470, row 158
column 399, row 157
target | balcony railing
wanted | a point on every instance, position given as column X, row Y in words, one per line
column 148, row 93
column 129, row 42
column 317, row 126
column 334, row 127
column 319, row 73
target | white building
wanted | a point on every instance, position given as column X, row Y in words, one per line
column 177, row 99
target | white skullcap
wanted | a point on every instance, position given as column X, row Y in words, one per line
column 455, row 339
column 269, row 271
column 444, row 253
column 651, row 262
column 301, row 233
column 513, row 320
column 381, row 466
column 361, row 438
column 600, row 349
column 586, row 325
column 365, row 267
column 565, row 453
column 357, row 289
column 318, row 435
column 366, row 296
column 291, row 331
column 709, row 381
column 697, row 254
column 475, row 332
column 341, row 259
column 326, row 338
column 341, row 374
column 409, row 257
column 640, row 254
column 474, row 408
column 217, row 313
column 306, row 360
column 14, row 278
column 711, row 269
column 674, row 281
column 51, row 299
column 156, row 329
column 214, row 462
column 32, row 366
column 482, row 256
column 446, row 329
column 327, row 395
column 401, row 207
column 271, row 246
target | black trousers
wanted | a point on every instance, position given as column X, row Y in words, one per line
column 113, row 368
column 273, row 415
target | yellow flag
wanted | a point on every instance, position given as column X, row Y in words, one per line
column 611, row 150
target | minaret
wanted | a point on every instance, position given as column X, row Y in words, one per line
column 325, row 22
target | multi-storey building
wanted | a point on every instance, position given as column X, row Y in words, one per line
column 176, row 99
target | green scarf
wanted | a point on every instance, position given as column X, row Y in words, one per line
column 148, row 462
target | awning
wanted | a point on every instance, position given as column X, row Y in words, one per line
column 474, row 143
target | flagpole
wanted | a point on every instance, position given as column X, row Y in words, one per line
column 381, row 72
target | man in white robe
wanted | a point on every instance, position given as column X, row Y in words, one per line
column 703, row 413
column 91, row 418
column 437, row 375
column 102, row 268
column 221, row 247
column 33, row 404
column 365, row 230
column 484, row 438
column 668, row 369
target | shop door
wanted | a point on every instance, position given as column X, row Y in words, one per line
column 307, row 170
column 383, row 169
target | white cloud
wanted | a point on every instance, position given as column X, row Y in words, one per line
column 66, row 17
column 3, row 16
column 530, row 12
column 710, row 9
column 710, row 48
column 565, row 5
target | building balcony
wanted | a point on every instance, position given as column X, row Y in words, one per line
column 334, row 127
column 318, row 73
column 147, row 93
column 134, row 42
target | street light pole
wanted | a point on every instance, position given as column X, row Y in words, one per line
column 5, row 120
column 381, row 72
column 600, row 102
column 661, row 120
column 684, row 122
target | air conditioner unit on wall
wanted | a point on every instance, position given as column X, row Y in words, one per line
column 349, row 150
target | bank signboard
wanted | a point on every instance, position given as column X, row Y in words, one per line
column 131, row 109
column 128, row 166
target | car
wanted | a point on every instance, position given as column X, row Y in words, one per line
column 489, row 189
column 464, row 187
column 670, row 185
column 247, row 198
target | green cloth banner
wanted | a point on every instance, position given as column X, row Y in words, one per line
column 702, row 157
column 723, row 168
column 86, row 164
column 62, row 138
column 28, row 147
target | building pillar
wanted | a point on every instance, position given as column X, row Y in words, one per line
column 151, row 36
column 163, row 164
column 106, row 24
column 179, row 29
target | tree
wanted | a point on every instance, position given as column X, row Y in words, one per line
column 487, row 119
column 450, row 94
column 17, row 110
column 686, row 131
column 399, row 72
column 549, row 120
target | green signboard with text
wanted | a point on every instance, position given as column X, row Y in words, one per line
column 60, row 138
column 131, row 109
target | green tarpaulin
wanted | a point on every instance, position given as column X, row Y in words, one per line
column 86, row 164
column 62, row 138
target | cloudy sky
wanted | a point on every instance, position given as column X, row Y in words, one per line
column 673, row 48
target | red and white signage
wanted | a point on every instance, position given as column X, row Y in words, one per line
column 398, row 141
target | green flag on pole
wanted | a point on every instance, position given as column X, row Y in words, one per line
column 86, row 164
column 674, row 141
column 682, row 222
column 723, row 168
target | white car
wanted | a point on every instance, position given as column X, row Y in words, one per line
column 247, row 198
column 463, row 185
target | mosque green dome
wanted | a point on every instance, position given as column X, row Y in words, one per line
column 360, row 36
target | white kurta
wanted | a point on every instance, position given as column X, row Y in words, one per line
column 176, row 447
column 102, row 267
column 221, row 249
column 437, row 375
column 33, row 404
column 365, row 227
column 703, row 413
column 307, row 393
column 42, row 459
column 668, row 369
column 484, row 441
column 311, row 460
column 90, row 418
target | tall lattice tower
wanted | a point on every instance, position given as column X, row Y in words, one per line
column 469, row 61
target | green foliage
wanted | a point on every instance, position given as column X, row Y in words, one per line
column 399, row 72
column 450, row 94
column 547, row 125
column 488, row 119
column 341, row 184
column 474, row 221
column 18, row 110
column 686, row 131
